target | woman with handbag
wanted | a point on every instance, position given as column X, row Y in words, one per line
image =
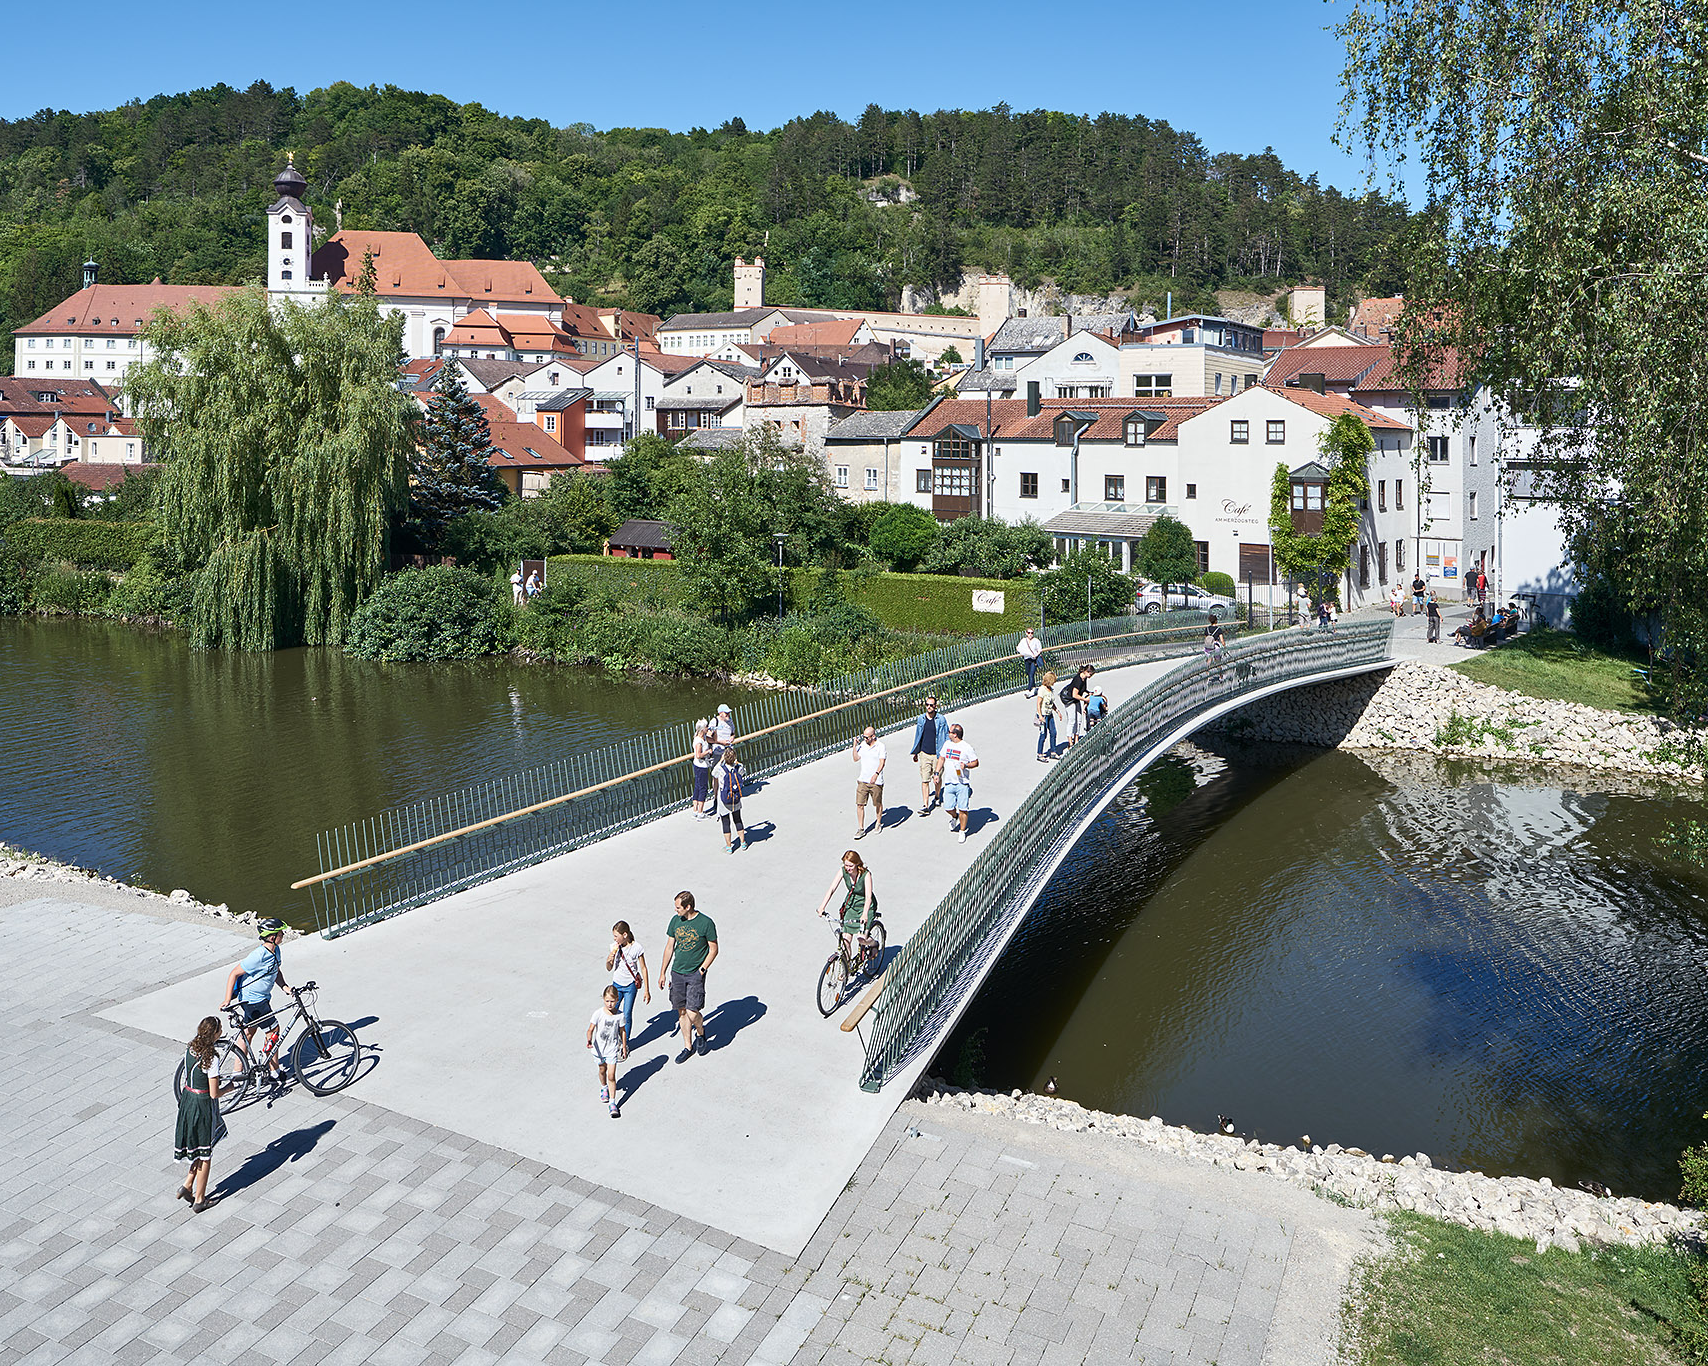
column 1049, row 708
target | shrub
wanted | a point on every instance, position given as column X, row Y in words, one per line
column 75, row 592
column 79, row 541
column 904, row 535
column 150, row 589
column 681, row 644
column 1217, row 582
column 435, row 613
column 17, row 592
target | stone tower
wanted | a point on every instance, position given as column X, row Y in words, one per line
column 750, row 283
column 995, row 295
column 290, row 236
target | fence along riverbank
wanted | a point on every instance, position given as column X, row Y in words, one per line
column 410, row 855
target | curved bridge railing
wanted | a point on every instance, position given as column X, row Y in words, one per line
column 930, row 979
column 410, row 855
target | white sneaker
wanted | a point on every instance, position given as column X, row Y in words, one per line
column 963, row 838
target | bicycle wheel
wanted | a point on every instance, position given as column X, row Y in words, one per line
column 326, row 1055
column 830, row 983
column 232, row 1069
column 875, row 955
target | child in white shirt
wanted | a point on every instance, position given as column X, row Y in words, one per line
column 605, row 1036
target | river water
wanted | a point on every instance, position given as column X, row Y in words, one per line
column 124, row 751
column 1501, row 969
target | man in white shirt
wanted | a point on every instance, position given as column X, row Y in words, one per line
column 870, row 755
column 1029, row 648
column 955, row 764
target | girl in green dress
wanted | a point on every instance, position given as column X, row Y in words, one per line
column 199, row 1123
column 859, row 897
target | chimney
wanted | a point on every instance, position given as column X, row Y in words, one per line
column 1031, row 398
column 90, row 268
column 978, row 354
column 1020, row 313
column 1312, row 382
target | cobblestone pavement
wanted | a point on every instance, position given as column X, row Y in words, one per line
column 344, row 1232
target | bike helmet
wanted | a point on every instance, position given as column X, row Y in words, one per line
column 270, row 926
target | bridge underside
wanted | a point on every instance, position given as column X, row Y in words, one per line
column 480, row 1002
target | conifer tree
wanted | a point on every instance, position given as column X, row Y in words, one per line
column 449, row 475
column 284, row 439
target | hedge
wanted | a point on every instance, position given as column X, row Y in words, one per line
column 933, row 603
column 83, row 542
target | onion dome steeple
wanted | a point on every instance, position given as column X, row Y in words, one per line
column 289, row 182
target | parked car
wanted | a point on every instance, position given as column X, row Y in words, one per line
column 1184, row 595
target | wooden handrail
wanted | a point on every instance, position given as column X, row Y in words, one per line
column 520, row 811
column 865, row 1003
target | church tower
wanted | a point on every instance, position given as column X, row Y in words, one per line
column 290, row 236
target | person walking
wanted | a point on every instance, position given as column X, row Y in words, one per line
column 1029, row 649
column 609, row 1042
column 1049, row 708
column 731, row 775
column 869, row 759
column 1418, row 588
column 1434, row 610
column 702, row 768
column 859, row 900
column 259, row 973
column 690, row 949
column 626, row 962
column 1482, row 587
column 955, row 764
column 1395, row 601
column 930, row 735
column 199, row 1124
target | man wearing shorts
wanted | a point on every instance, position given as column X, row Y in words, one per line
column 870, row 756
column 930, row 734
column 691, row 946
column 259, row 973
column 955, row 764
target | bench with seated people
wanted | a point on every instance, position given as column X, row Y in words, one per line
column 1480, row 632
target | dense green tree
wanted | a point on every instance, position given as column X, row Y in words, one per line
column 285, row 443
column 901, row 386
column 990, row 548
column 1564, row 147
column 903, row 536
column 1167, row 554
column 1064, row 588
column 449, row 474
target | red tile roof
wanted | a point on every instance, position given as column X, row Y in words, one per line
column 1111, row 417
column 1336, row 405
column 19, row 395
column 99, row 477
column 121, row 310
column 496, row 409
column 1375, row 314
column 1336, row 364
column 840, row 332
column 33, row 425
column 522, row 444
column 404, row 265
column 1280, row 338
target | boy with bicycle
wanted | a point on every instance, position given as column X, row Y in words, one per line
column 259, row 972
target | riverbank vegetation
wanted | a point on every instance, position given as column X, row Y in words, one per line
column 1558, row 666
column 1448, row 1295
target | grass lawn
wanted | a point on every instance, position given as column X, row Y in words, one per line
column 1451, row 1296
column 1553, row 664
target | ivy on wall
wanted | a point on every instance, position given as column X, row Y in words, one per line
column 1318, row 560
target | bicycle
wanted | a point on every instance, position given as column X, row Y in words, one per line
column 325, row 1056
column 847, row 966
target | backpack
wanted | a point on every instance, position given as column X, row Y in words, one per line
column 1066, row 693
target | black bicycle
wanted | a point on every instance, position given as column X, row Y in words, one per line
column 847, row 966
column 325, row 1056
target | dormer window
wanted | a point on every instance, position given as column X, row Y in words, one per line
column 1135, row 431
column 1064, row 431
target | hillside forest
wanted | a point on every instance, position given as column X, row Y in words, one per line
column 846, row 214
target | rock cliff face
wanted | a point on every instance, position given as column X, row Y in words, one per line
column 1538, row 1210
column 1435, row 710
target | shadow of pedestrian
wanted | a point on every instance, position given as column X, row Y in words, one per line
column 285, row 1148
column 758, row 834
column 659, row 1026
column 977, row 820
column 632, row 1080
column 729, row 1019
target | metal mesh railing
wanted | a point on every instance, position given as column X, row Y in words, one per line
column 944, row 958
column 410, row 855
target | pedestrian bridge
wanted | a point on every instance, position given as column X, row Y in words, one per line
column 480, row 995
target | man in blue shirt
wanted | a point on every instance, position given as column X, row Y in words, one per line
column 930, row 735
column 259, row 973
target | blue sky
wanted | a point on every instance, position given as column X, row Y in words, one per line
column 1241, row 75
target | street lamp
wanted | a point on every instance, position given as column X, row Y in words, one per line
column 779, row 537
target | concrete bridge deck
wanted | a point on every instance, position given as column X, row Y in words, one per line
column 480, row 1002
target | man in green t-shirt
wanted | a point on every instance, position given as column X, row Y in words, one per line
column 690, row 947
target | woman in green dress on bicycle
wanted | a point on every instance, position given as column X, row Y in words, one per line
column 859, row 898
column 199, row 1122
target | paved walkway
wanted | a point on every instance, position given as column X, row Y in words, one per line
column 346, row 1232
column 482, row 999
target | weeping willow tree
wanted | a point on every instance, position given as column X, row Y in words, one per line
column 285, row 439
